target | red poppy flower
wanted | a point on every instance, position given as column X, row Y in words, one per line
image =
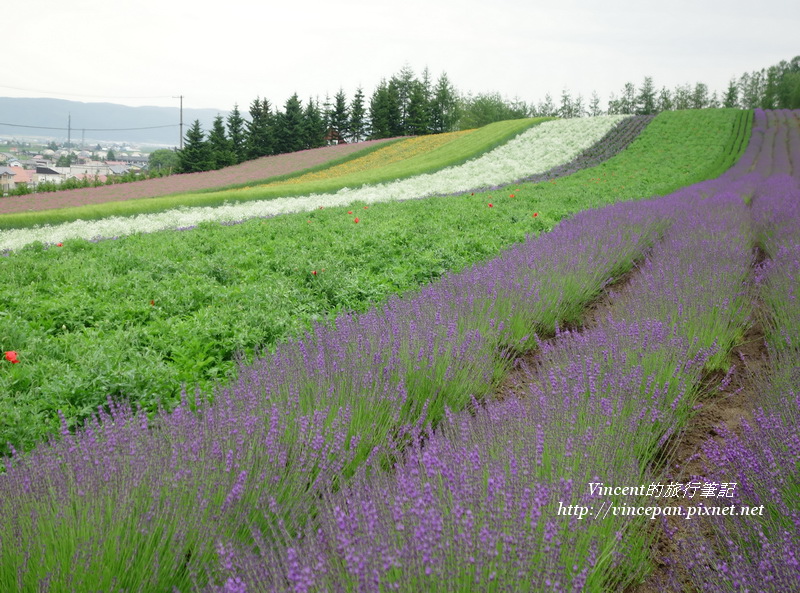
column 349, row 211
column 511, row 196
column 11, row 356
column 313, row 272
column 153, row 303
column 491, row 205
column 59, row 245
column 356, row 220
column 366, row 207
column 535, row 214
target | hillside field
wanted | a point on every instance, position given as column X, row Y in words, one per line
column 540, row 355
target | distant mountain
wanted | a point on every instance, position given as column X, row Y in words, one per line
column 99, row 121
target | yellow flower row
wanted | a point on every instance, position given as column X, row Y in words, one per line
column 397, row 151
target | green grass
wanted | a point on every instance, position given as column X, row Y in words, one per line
column 81, row 316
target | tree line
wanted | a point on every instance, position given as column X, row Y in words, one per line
column 403, row 105
column 410, row 105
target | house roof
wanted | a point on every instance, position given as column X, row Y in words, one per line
column 7, row 171
column 22, row 175
column 46, row 171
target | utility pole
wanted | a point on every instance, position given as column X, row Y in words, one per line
column 181, row 127
column 69, row 131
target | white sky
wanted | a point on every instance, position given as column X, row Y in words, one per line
column 220, row 53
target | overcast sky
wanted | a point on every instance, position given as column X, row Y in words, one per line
column 225, row 52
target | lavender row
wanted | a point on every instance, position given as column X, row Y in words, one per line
column 763, row 553
column 140, row 505
column 479, row 505
column 778, row 133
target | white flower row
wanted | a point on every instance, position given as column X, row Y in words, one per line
column 536, row 150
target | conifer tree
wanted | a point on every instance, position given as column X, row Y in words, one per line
column 314, row 126
column 378, row 112
column 403, row 83
column 682, row 97
column 646, row 99
column 220, row 146
column 627, row 101
column 384, row 111
column 195, row 155
column 236, row 134
column 578, row 109
column 699, row 98
column 565, row 111
column 417, row 122
column 358, row 123
column 340, row 117
column 546, row 107
column 444, row 106
column 664, row 102
column 260, row 130
column 731, row 98
column 395, row 109
column 594, row 105
column 289, row 129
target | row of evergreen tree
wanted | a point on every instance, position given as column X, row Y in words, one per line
column 407, row 105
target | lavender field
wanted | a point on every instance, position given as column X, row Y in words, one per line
column 456, row 437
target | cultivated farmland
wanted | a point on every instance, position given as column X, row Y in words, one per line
column 414, row 391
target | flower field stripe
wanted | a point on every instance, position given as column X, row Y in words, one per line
column 407, row 148
column 615, row 141
column 460, row 147
column 249, row 172
column 536, row 150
